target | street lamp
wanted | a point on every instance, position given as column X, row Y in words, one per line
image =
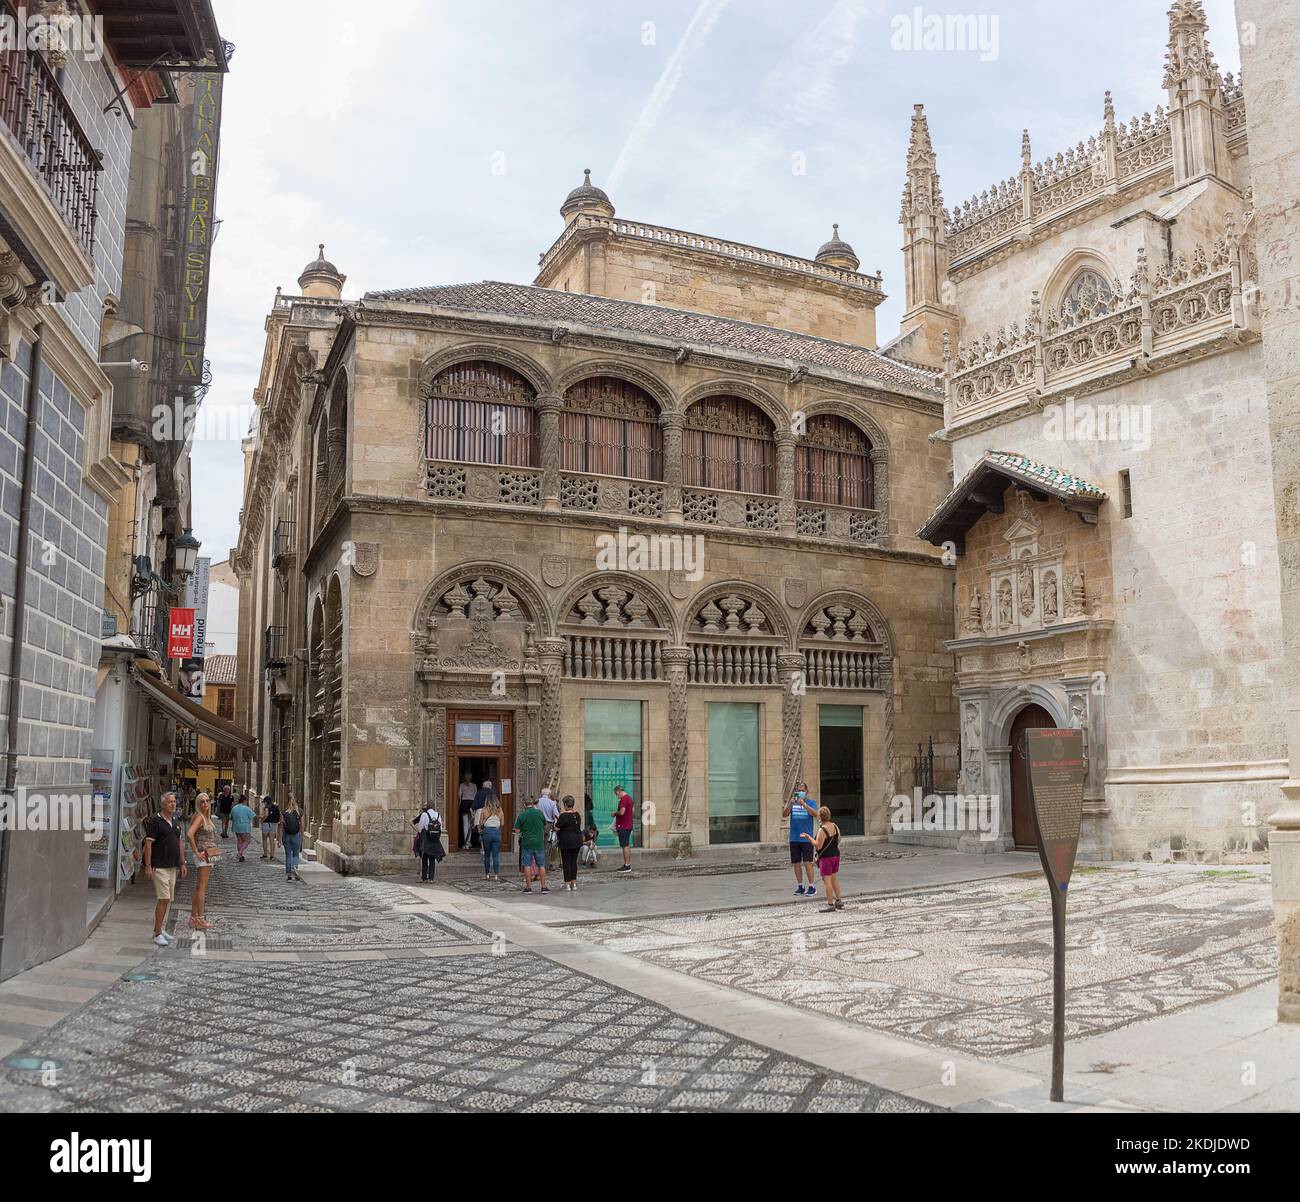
column 186, row 554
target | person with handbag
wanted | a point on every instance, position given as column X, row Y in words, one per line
column 429, row 833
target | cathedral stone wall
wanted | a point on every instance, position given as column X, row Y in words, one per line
column 1195, row 741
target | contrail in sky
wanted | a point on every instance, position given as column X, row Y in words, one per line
column 697, row 33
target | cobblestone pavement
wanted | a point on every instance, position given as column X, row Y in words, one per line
column 970, row 967
column 478, row 1033
column 435, row 1021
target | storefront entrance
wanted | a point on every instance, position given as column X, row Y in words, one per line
column 480, row 746
column 1032, row 717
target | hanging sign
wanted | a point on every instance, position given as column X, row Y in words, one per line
column 180, row 634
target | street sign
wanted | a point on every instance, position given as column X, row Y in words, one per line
column 1057, row 772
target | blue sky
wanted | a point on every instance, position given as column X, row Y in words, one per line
column 435, row 142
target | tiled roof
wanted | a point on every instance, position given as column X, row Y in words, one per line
column 960, row 509
column 679, row 325
column 1056, row 479
column 219, row 669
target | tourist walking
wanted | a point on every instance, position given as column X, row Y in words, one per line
column 162, row 862
column 550, row 810
column 532, row 845
column 203, row 846
column 624, row 821
column 270, row 827
column 801, row 810
column 241, row 821
column 467, row 799
column 827, row 848
column 568, row 833
column 492, row 818
column 225, row 803
column 428, row 830
column 291, row 837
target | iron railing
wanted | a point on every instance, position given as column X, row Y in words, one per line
column 277, row 647
column 282, row 543
column 40, row 121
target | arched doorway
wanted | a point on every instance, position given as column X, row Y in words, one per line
column 1032, row 717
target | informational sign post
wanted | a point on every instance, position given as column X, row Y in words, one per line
column 1057, row 771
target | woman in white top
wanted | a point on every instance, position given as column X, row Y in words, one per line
column 491, row 820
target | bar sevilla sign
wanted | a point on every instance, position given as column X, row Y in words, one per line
column 180, row 634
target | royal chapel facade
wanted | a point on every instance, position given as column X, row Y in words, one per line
column 672, row 518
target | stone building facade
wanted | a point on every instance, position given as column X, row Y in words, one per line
column 1098, row 325
column 558, row 538
column 68, row 109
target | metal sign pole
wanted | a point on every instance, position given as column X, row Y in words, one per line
column 1057, row 770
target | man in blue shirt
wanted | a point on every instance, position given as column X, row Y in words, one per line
column 802, row 812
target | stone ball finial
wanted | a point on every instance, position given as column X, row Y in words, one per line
column 321, row 279
column 586, row 198
column 838, row 253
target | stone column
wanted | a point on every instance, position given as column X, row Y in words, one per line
column 550, row 408
column 676, row 660
column 1268, row 66
column 880, row 489
column 785, row 444
column 793, row 686
column 550, row 655
column 672, row 425
column 887, row 683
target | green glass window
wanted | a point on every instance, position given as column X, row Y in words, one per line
column 733, row 773
column 612, row 751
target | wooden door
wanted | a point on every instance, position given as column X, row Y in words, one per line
column 1032, row 717
column 485, row 759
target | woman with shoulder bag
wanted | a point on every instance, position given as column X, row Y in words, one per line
column 291, row 838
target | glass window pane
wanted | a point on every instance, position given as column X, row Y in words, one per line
column 612, row 757
column 733, row 773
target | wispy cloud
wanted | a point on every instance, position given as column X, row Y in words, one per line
column 693, row 40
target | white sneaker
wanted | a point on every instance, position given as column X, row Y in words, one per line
column 170, row 938
column 162, row 941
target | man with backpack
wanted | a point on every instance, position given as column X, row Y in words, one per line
column 291, row 837
column 428, row 834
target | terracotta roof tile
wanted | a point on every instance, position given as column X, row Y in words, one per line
column 680, row 325
column 220, row 669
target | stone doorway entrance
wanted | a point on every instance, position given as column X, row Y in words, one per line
column 1032, row 717
column 482, row 745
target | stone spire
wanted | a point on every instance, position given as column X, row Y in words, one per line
column 1195, row 100
column 929, row 293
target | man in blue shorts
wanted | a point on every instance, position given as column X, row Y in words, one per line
column 802, row 812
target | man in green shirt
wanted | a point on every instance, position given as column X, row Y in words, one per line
column 531, row 825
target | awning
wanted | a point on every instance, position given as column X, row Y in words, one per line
column 193, row 717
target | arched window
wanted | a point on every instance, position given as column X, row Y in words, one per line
column 833, row 464
column 728, row 443
column 611, row 428
column 481, row 412
column 1089, row 295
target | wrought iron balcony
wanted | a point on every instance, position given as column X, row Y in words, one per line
column 277, row 648
column 283, row 544
column 40, row 121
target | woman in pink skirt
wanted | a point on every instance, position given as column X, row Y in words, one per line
column 826, row 847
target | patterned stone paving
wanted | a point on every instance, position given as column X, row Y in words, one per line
column 478, row 1033
column 463, row 873
column 969, row 967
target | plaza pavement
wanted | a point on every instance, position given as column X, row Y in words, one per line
column 928, row 991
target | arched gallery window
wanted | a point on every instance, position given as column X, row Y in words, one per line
column 1089, row 294
column 833, row 464
column 729, row 444
column 481, row 412
column 611, row 428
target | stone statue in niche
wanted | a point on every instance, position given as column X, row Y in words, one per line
column 974, row 614
column 1050, row 601
column 1006, row 606
column 1078, row 712
column 1026, row 575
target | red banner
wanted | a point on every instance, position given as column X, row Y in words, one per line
column 180, row 634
